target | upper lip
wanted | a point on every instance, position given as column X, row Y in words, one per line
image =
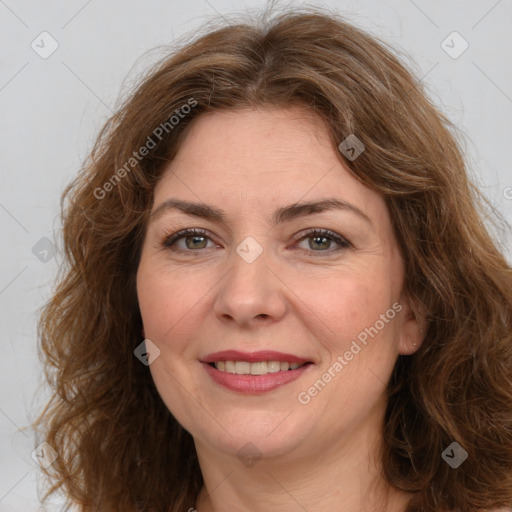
column 252, row 357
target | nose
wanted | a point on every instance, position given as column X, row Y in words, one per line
column 250, row 292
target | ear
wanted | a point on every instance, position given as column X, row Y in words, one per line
column 412, row 329
column 143, row 335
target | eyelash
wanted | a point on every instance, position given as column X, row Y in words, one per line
column 169, row 241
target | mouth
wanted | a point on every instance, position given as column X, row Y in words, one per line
column 256, row 372
column 257, row 368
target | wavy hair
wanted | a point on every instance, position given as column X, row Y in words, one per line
column 119, row 446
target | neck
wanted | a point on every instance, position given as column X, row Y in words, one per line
column 344, row 475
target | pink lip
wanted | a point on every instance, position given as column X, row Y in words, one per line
column 254, row 384
column 252, row 357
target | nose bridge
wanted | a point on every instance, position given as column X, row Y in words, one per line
column 250, row 289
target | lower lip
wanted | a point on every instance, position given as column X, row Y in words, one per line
column 254, row 383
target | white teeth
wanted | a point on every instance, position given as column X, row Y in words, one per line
column 273, row 366
column 230, row 367
column 259, row 368
column 242, row 368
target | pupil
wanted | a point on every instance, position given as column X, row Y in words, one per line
column 324, row 239
column 195, row 239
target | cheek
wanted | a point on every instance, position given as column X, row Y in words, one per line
column 166, row 304
column 174, row 305
column 348, row 305
column 164, row 301
column 153, row 301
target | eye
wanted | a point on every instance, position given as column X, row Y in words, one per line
column 194, row 239
column 322, row 238
column 197, row 239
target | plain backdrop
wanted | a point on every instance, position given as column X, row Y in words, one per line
column 52, row 107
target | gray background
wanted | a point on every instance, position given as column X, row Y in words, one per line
column 52, row 109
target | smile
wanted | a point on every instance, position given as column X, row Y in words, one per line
column 256, row 372
column 259, row 368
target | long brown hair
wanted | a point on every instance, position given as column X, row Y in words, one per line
column 119, row 447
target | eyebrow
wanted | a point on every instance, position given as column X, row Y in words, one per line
column 281, row 215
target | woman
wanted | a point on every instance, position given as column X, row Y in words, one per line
column 280, row 292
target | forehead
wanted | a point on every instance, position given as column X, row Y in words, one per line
column 260, row 159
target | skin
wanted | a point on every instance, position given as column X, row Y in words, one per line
column 194, row 301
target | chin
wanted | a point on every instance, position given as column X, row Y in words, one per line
column 259, row 434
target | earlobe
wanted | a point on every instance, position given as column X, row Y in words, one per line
column 410, row 343
column 411, row 340
column 412, row 332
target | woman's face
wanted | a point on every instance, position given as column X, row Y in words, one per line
column 254, row 292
